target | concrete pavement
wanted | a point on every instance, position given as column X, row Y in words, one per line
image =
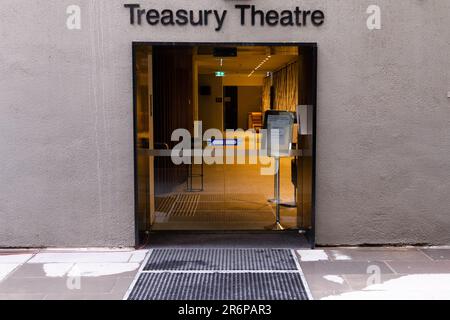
column 331, row 273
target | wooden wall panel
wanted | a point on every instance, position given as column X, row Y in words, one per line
column 173, row 108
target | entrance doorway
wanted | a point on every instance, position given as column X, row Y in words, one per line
column 230, row 105
column 217, row 94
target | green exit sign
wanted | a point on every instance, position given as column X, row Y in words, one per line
column 220, row 74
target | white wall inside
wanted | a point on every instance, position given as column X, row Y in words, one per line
column 211, row 111
column 242, row 80
column 249, row 100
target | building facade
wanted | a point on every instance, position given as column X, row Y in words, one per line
column 67, row 164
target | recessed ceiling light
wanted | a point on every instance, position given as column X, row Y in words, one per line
column 259, row 65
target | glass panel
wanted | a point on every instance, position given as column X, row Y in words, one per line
column 142, row 135
column 176, row 86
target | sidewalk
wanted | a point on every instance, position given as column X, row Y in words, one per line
column 331, row 273
column 378, row 273
column 67, row 274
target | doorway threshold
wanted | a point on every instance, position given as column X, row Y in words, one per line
column 290, row 239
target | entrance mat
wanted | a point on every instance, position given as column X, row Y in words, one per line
column 195, row 211
column 219, row 286
column 165, row 204
column 225, row 219
column 221, row 197
column 185, row 205
column 220, row 259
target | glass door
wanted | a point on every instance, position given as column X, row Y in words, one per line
column 190, row 172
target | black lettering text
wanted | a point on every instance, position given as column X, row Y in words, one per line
column 167, row 18
column 199, row 22
column 298, row 14
column 272, row 18
column 152, row 17
column 259, row 13
column 286, row 18
column 182, row 17
column 305, row 16
column 242, row 8
column 206, row 15
column 220, row 19
column 132, row 7
column 140, row 14
column 317, row 18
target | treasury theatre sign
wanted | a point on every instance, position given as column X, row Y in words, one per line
column 249, row 15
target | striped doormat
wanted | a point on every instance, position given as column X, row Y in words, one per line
column 220, row 274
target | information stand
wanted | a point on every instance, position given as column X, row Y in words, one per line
column 277, row 140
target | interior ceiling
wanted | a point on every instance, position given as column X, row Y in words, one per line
column 248, row 58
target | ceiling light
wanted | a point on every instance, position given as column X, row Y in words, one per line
column 259, row 66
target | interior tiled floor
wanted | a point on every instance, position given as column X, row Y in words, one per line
column 235, row 197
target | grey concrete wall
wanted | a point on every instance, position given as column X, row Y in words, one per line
column 66, row 157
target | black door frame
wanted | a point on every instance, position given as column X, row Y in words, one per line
column 311, row 233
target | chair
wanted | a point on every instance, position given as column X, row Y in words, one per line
column 255, row 120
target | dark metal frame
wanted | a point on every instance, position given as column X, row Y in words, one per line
column 310, row 234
